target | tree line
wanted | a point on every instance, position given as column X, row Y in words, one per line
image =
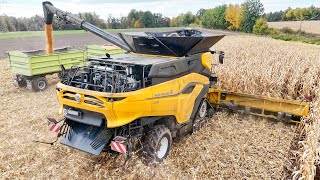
column 36, row 23
column 138, row 19
column 135, row 19
column 237, row 17
column 293, row 14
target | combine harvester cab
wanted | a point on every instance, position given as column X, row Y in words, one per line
column 162, row 88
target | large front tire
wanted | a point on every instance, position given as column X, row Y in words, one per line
column 157, row 143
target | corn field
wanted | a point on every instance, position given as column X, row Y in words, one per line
column 283, row 70
column 230, row 146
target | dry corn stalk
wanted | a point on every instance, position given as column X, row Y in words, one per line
column 278, row 69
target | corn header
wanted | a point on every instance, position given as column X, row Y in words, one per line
column 162, row 88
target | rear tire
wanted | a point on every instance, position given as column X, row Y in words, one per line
column 39, row 84
column 157, row 143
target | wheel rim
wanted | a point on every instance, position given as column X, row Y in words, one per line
column 203, row 109
column 162, row 147
column 41, row 84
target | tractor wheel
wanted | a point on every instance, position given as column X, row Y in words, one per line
column 157, row 143
column 39, row 84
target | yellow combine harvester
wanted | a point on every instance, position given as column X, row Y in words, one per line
column 162, row 88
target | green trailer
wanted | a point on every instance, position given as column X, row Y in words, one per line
column 31, row 68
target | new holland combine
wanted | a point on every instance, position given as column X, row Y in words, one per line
column 162, row 88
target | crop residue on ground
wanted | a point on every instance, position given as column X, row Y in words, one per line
column 229, row 147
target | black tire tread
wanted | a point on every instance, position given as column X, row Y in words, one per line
column 35, row 81
column 151, row 140
column 21, row 82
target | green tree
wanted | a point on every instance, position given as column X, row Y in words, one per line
column 252, row 10
column 200, row 13
column 179, row 20
column 133, row 16
column 290, row 15
column 147, row 19
column 188, row 19
column 173, row 22
column 260, row 27
column 185, row 19
column 3, row 24
column 315, row 11
column 303, row 13
column 274, row 16
column 214, row 18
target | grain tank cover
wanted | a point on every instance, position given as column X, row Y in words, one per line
column 173, row 43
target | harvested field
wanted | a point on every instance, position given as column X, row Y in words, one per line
column 307, row 26
column 229, row 147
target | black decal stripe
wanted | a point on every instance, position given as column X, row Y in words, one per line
column 180, row 92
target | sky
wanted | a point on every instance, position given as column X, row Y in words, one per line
column 118, row 8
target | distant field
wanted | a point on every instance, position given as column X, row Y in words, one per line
column 24, row 34
column 307, row 26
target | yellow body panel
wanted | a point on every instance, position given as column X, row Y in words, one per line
column 206, row 59
column 159, row 100
column 297, row 108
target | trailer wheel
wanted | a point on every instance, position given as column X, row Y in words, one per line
column 20, row 82
column 157, row 143
column 39, row 84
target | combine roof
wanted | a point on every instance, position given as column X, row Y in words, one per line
column 173, row 43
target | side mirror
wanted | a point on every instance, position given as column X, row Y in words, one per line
column 221, row 55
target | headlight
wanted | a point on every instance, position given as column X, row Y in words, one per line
column 77, row 97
